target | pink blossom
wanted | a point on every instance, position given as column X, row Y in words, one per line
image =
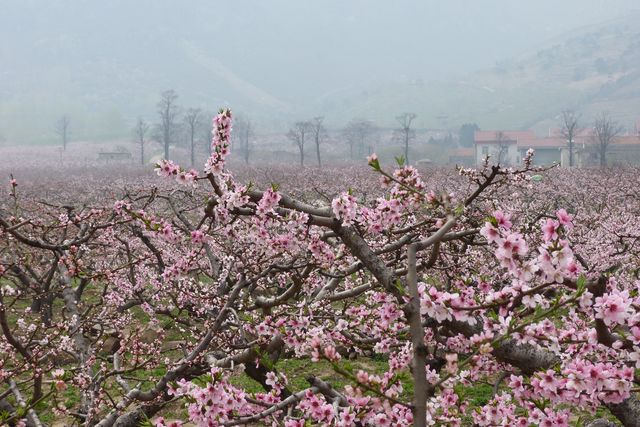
column 490, row 233
column 344, row 208
column 564, row 218
column 549, row 229
column 613, row 308
column 502, row 219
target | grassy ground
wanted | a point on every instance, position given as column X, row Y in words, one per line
column 296, row 370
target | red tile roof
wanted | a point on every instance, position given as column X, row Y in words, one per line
column 542, row 143
column 557, row 132
column 527, row 139
column 462, row 152
column 580, row 140
column 489, row 136
column 627, row 140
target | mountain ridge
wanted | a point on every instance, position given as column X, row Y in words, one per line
column 591, row 69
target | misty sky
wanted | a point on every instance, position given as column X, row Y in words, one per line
column 294, row 46
column 119, row 54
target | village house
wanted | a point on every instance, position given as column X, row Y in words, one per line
column 509, row 147
column 502, row 146
column 462, row 156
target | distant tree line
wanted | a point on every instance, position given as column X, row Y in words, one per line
column 312, row 130
column 358, row 135
column 191, row 127
column 604, row 132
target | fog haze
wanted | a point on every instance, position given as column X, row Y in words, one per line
column 107, row 62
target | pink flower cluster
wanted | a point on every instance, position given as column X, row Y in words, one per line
column 442, row 305
column 502, row 411
column 580, row 382
column 167, row 168
column 614, row 308
column 555, row 260
column 321, row 251
column 268, row 202
column 409, row 186
column 386, row 214
column 218, row 401
column 345, row 208
column 320, row 411
column 220, row 142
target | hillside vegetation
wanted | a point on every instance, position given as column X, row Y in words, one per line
column 591, row 70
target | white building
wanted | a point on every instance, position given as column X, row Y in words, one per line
column 501, row 146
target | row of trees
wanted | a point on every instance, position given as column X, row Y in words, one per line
column 304, row 130
column 193, row 124
column 605, row 131
column 172, row 124
column 358, row 134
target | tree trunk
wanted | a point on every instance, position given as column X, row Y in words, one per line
column 138, row 416
column 627, row 411
column 193, row 152
column 318, row 153
column 406, row 148
column 46, row 309
column 246, row 149
column 571, row 152
column 421, row 390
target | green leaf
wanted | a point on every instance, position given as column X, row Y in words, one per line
column 375, row 164
column 21, row 412
column 492, row 221
column 400, row 160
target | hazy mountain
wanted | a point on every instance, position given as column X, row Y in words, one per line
column 591, row 69
column 104, row 63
